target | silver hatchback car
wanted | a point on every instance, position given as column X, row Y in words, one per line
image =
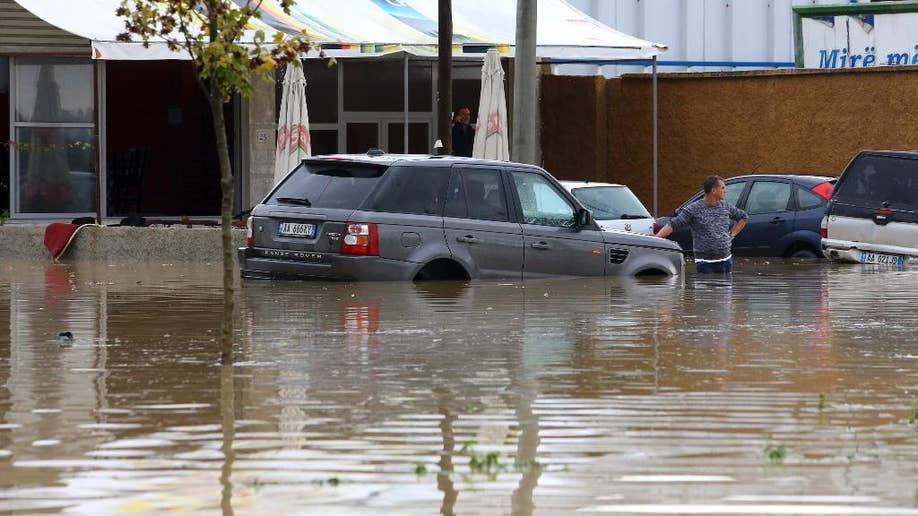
column 401, row 217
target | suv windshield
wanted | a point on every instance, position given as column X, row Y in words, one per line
column 327, row 185
column 874, row 181
column 611, row 202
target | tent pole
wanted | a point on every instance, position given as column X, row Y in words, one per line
column 655, row 157
column 405, row 149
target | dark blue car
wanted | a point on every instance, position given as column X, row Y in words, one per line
column 784, row 210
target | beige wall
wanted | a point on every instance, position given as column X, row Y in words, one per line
column 724, row 123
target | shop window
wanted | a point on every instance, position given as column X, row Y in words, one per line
column 377, row 86
column 321, row 90
column 53, row 134
column 324, row 142
column 53, row 90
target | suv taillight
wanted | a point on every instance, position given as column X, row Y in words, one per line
column 823, row 190
column 249, row 235
column 656, row 227
column 360, row 239
column 824, row 228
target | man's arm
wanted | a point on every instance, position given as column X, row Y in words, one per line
column 740, row 224
column 679, row 221
column 664, row 231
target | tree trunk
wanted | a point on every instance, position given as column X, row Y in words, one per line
column 226, row 207
column 445, row 76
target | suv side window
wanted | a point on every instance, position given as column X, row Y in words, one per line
column 414, row 190
column 542, row 204
column 477, row 193
column 768, row 197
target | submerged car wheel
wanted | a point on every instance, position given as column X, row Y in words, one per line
column 804, row 253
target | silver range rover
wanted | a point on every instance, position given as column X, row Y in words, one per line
column 409, row 217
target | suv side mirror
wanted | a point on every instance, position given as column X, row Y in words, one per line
column 583, row 217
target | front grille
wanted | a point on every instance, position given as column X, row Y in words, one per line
column 618, row 255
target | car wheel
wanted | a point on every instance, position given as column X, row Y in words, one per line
column 804, row 253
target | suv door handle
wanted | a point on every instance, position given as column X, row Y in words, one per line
column 776, row 220
column 541, row 245
column 468, row 239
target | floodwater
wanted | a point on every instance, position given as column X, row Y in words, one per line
column 790, row 388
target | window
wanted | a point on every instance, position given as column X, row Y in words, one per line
column 807, row 200
column 477, row 194
column 412, row 190
column 734, row 191
column 343, row 186
column 541, row 202
column 872, row 181
column 768, row 197
column 610, row 202
column 53, row 130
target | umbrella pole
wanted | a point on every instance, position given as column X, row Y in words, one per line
column 655, row 157
column 405, row 149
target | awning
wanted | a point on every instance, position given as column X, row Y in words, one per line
column 365, row 28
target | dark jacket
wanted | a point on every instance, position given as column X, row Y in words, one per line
column 463, row 140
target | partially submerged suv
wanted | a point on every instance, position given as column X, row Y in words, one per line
column 872, row 216
column 398, row 217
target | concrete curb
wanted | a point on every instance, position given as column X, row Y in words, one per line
column 120, row 244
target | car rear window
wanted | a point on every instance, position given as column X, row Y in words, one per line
column 877, row 181
column 328, row 185
column 610, row 202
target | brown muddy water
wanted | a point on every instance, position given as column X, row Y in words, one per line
column 789, row 389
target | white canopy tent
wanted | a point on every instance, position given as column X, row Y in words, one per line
column 369, row 28
column 352, row 28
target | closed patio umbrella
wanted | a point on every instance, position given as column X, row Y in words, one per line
column 491, row 140
column 293, row 142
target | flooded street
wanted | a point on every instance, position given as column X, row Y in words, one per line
column 789, row 389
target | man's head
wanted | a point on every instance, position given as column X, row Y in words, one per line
column 714, row 187
column 463, row 115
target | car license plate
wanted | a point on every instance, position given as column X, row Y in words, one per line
column 882, row 259
column 296, row 229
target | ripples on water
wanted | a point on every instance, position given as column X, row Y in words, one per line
column 788, row 389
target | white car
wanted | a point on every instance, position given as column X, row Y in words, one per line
column 614, row 206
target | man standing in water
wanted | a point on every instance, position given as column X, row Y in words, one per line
column 709, row 219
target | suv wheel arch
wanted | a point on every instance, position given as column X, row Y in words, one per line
column 442, row 269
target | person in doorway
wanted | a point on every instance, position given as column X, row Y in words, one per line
column 463, row 133
column 710, row 219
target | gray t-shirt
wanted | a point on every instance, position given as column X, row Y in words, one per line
column 710, row 227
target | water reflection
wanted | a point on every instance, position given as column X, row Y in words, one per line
column 621, row 395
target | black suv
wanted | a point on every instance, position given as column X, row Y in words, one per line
column 395, row 217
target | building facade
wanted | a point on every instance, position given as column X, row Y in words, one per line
column 703, row 35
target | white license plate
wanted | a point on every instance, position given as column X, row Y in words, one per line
column 296, row 229
column 882, row 259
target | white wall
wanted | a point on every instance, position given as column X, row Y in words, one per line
column 717, row 32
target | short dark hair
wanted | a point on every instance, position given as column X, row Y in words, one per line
column 710, row 182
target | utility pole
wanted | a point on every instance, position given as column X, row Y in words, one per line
column 525, row 84
column 445, row 76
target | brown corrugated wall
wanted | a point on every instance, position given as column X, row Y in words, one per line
column 789, row 121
